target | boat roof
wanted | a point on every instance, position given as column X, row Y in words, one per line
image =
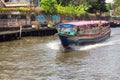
column 66, row 25
column 82, row 23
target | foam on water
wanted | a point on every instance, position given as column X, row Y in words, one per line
column 97, row 45
column 55, row 45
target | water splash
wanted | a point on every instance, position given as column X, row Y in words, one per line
column 55, row 45
column 97, row 45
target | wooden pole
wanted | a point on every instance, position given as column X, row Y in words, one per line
column 20, row 34
column 20, row 31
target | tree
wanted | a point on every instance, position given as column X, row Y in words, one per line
column 116, row 3
column 109, row 6
column 117, row 11
column 79, row 2
column 73, row 2
column 63, row 2
column 116, row 6
column 72, row 10
column 97, row 6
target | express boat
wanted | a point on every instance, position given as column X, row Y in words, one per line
column 83, row 32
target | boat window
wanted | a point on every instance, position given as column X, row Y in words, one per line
column 82, row 30
column 66, row 29
column 75, row 29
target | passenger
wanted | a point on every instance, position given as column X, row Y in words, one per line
column 100, row 23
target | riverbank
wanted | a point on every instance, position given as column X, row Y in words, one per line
column 13, row 33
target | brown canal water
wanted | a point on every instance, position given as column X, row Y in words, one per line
column 41, row 58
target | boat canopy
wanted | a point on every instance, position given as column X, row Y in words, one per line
column 66, row 25
column 81, row 23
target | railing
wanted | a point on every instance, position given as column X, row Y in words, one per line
column 13, row 25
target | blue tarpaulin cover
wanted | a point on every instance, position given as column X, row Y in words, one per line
column 41, row 18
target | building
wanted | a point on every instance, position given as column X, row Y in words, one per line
column 2, row 3
column 12, row 18
column 35, row 2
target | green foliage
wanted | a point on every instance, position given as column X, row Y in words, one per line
column 79, row 2
column 63, row 7
column 63, row 2
column 117, row 11
column 109, row 6
column 72, row 10
column 116, row 3
column 22, row 10
column 73, row 2
column 71, row 7
column 49, row 6
column 116, row 6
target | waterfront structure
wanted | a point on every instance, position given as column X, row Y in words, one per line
column 34, row 2
column 11, row 14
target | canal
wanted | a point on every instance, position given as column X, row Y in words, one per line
column 42, row 58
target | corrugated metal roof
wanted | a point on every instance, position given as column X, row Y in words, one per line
column 2, row 4
column 16, row 4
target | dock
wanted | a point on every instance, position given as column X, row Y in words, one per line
column 15, row 33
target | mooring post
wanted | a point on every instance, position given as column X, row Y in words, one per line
column 20, row 34
column 20, row 31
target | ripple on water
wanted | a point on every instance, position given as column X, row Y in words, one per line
column 41, row 58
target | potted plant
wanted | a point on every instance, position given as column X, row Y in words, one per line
column 35, row 24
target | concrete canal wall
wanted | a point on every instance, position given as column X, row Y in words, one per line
column 14, row 33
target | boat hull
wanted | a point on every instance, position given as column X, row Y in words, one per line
column 66, row 41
